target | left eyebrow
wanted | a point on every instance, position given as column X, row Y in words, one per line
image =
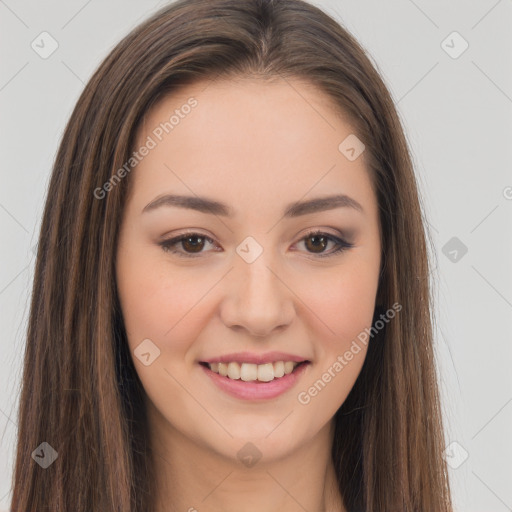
column 296, row 209
column 321, row 204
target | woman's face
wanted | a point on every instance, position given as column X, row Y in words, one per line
column 248, row 164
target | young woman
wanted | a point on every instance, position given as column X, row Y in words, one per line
column 231, row 306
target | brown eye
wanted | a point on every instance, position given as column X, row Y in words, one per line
column 193, row 243
column 318, row 243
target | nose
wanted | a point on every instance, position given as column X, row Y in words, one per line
column 258, row 299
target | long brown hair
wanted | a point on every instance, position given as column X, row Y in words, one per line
column 80, row 391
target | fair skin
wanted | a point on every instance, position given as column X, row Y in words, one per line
column 257, row 147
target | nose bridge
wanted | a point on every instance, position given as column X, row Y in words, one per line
column 259, row 300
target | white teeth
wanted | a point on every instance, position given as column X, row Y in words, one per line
column 251, row 372
column 233, row 371
column 288, row 367
column 265, row 372
column 278, row 369
column 223, row 369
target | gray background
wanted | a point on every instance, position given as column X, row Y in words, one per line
column 457, row 114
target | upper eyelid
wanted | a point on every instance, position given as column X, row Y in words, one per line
column 312, row 231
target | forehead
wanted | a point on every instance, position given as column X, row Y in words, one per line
column 249, row 142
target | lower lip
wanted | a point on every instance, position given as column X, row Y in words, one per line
column 256, row 390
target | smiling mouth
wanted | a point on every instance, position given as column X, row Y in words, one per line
column 250, row 372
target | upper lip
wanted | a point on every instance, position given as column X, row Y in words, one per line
column 251, row 357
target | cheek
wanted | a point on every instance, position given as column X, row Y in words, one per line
column 346, row 312
column 156, row 302
column 162, row 307
column 343, row 302
column 342, row 306
column 328, row 388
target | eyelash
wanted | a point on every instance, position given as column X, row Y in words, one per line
column 167, row 245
